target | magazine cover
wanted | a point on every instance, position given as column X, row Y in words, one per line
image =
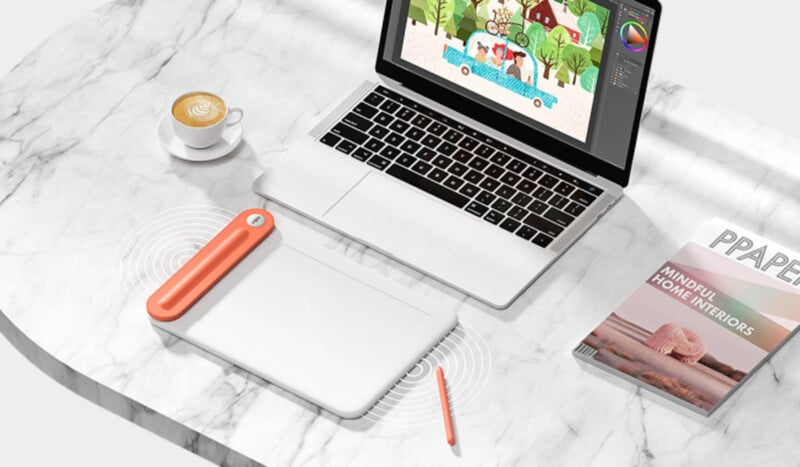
column 704, row 320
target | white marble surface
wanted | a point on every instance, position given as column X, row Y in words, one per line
column 80, row 168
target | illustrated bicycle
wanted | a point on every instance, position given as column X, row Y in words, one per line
column 495, row 27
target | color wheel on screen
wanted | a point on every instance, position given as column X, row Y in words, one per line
column 633, row 36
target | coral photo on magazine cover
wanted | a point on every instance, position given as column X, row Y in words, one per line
column 538, row 58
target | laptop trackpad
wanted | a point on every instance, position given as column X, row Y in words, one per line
column 465, row 252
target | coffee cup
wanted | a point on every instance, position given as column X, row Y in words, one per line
column 200, row 118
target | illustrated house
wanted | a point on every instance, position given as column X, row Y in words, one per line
column 544, row 14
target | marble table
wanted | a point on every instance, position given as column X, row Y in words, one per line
column 81, row 171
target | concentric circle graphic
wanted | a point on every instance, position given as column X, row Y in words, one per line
column 153, row 252
column 414, row 401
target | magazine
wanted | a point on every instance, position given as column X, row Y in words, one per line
column 704, row 320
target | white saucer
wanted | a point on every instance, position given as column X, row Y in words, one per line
column 170, row 141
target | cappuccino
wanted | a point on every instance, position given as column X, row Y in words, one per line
column 199, row 109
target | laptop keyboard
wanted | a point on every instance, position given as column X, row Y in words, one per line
column 459, row 165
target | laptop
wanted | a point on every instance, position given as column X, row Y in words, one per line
column 490, row 139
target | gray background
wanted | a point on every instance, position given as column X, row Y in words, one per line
column 41, row 423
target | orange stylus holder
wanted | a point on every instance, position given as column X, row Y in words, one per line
column 210, row 264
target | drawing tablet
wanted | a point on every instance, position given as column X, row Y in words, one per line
column 312, row 323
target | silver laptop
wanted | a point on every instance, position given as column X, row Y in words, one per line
column 489, row 140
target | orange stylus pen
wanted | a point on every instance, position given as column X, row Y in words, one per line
column 448, row 420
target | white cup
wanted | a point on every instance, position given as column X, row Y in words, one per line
column 200, row 137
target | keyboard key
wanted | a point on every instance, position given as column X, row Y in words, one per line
column 383, row 118
column 410, row 147
column 473, row 176
column 564, row 188
column 526, row 232
column 405, row 114
column 421, row 167
column 469, row 190
column 575, row 209
column 426, row 154
column 357, row 121
column 486, row 198
column 438, row 175
column 420, row 121
column 390, row 152
column 582, row 197
column 390, row 106
column 521, row 199
column 399, row 126
column 452, row 136
column 379, row 131
column 350, row 133
column 489, row 184
column 374, row 99
column 493, row 217
column 454, row 182
column 406, row 160
column 431, row 141
column 517, row 213
column 365, row 110
column 378, row 162
column 477, row 209
column 468, row 143
column 538, row 207
column 494, row 171
column 437, row 129
column 526, row 186
column 446, row 148
column 484, row 150
column 462, row 156
column 394, row 139
column 549, row 181
column 531, row 174
column 509, row 224
column 362, row 154
column 542, row 193
column 558, row 201
column 346, row 146
column 500, row 158
column 510, row 178
column 542, row 240
column 516, row 166
column 374, row 145
column 478, row 163
column 442, row 162
column 415, row 134
column 506, row 192
column 543, row 225
column 559, row 217
column 428, row 186
column 330, row 139
column 501, row 205
column 457, row 169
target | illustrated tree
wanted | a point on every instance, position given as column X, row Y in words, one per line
column 596, row 52
column 477, row 3
column 514, row 28
column 577, row 60
column 438, row 13
column 603, row 15
column 562, row 75
column 468, row 24
column 548, row 55
column 416, row 11
column 451, row 27
column 559, row 36
column 589, row 79
column 579, row 7
column 458, row 10
column 536, row 36
column 526, row 5
column 589, row 26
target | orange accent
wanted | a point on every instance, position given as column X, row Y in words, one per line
column 208, row 266
column 448, row 420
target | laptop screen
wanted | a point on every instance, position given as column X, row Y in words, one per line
column 572, row 69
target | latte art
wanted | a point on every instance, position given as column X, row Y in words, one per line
column 199, row 109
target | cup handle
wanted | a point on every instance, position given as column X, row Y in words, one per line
column 238, row 111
